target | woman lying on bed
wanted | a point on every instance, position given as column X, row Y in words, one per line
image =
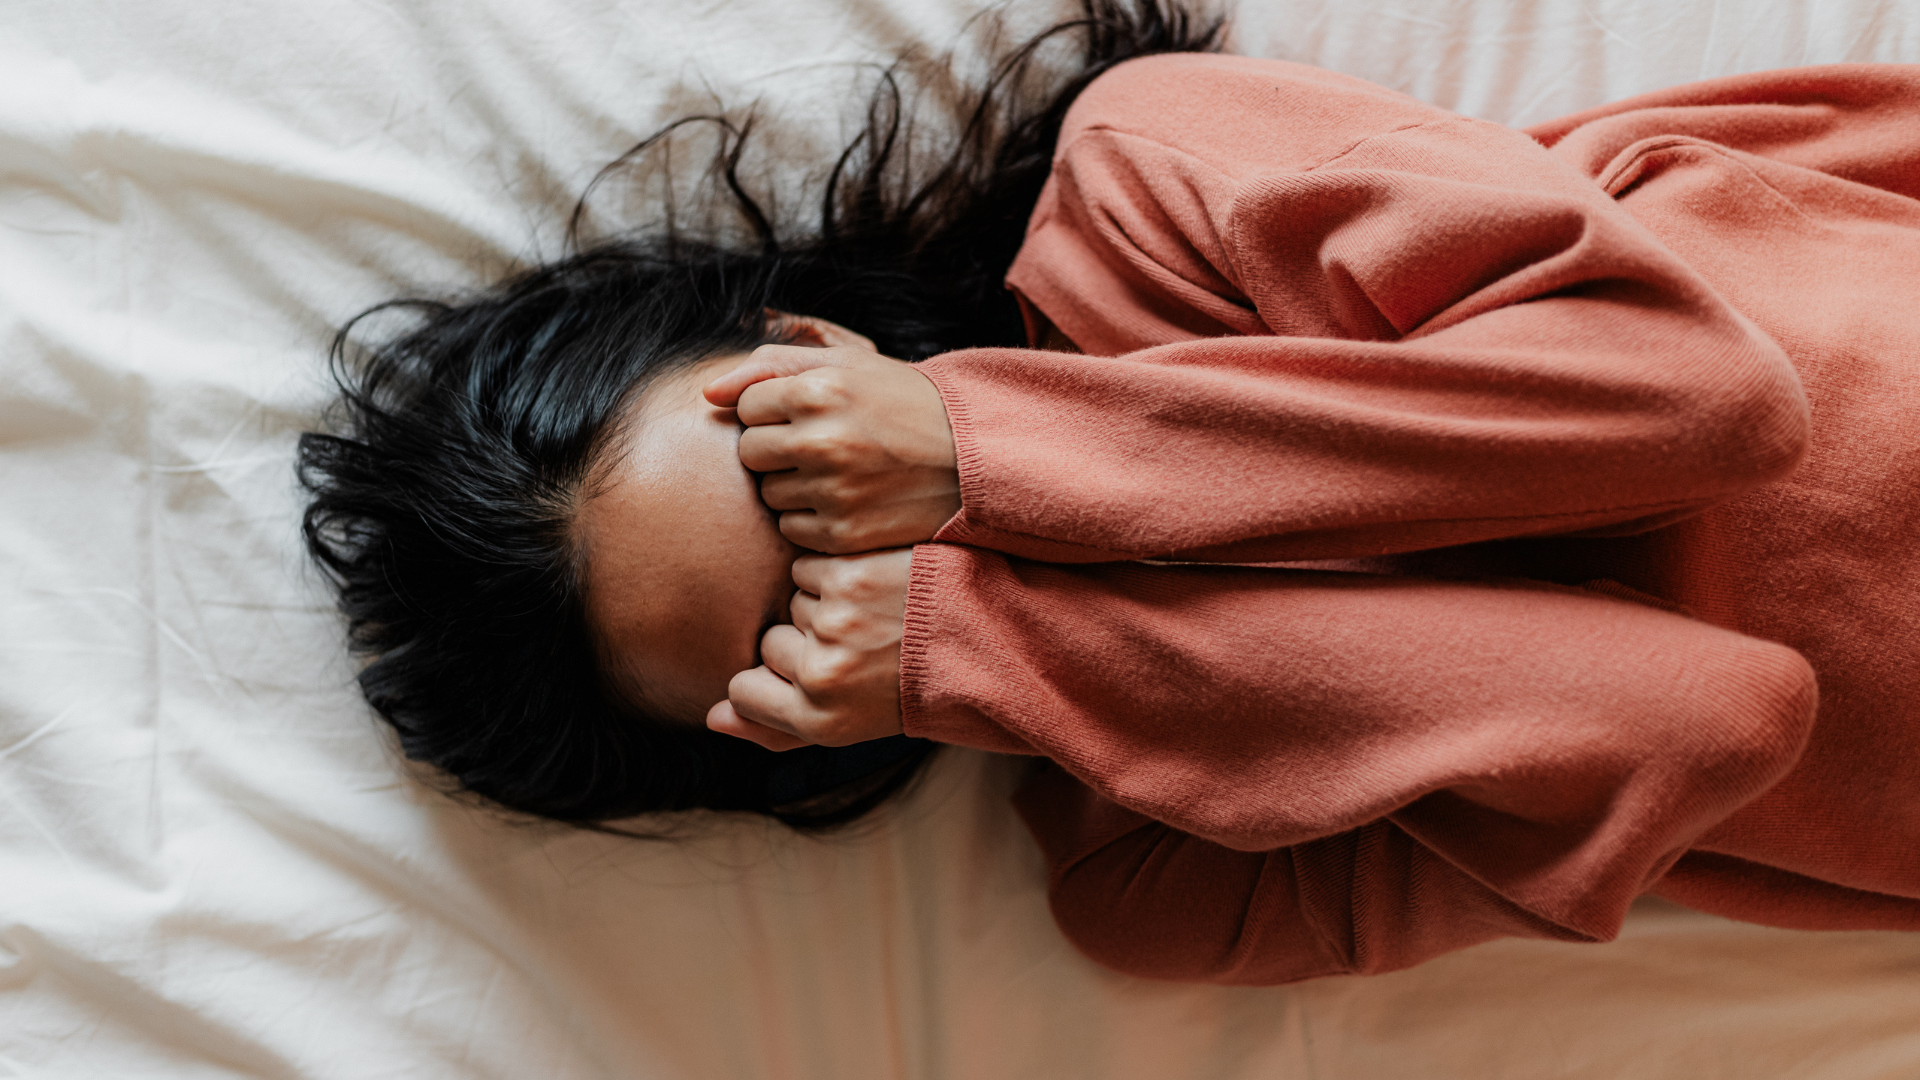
column 1396, row 530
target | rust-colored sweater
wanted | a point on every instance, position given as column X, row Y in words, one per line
column 1444, row 532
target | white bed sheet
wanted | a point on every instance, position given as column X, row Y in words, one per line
column 210, row 865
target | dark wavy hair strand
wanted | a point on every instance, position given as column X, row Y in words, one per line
column 442, row 497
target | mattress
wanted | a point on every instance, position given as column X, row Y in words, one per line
column 213, row 865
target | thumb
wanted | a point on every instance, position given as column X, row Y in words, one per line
column 766, row 362
column 723, row 719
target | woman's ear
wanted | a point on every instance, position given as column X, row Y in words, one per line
column 817, row 333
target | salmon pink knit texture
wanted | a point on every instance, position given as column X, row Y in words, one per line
column 1446, row 528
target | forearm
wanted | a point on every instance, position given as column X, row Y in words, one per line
column 1399, row 330
column 1558, row 743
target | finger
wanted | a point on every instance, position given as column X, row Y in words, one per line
column 804, row 608
column 830, row 534
column 765, row 402
column 810, row 572
column 763, row 697
column 771, row 448
column 819, row 331
column 786, row 490
column 766, row 362
column 724, row 719
column 835, row 336
column 862, row 577
column 782, row 649
column 798, row 489
column 830, row 526
column 784, row 431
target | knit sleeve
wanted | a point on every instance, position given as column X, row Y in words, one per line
column 1518, row 758
column 1331, row 323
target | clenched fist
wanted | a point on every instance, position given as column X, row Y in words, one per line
column 854, row 449
column 833, row 677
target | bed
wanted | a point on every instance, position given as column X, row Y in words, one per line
column 212, row 865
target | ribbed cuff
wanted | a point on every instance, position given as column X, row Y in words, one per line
column 941, row 570
column 970, row 526
column 966, row 446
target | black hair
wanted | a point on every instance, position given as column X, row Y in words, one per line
column 441, row 501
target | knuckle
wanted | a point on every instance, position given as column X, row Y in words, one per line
column 830, row 671
column 818, row 392
column 862, row 587
column 817, row 534
column 841, row 491
column 840, row 576
column 835, row 621
column 834, row 446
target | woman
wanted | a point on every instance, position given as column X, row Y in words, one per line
column 1281, row 575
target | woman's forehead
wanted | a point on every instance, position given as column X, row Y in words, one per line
column 680, row 559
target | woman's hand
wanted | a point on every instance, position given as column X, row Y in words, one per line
column 833, row 677
column 854, row 448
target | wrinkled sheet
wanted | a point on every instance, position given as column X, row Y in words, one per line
column 211, row 865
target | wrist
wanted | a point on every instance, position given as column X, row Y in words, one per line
column 933, row 422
